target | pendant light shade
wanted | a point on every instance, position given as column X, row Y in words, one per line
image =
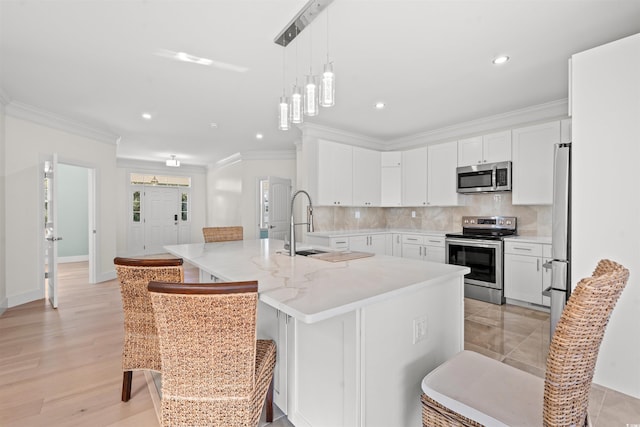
column 296, row 105
column 311, row 96
column 328, row 90
column 283, row 118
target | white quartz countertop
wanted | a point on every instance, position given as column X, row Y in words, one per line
column 339, row 233
column 308, row 289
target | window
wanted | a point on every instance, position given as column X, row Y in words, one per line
column 136, row 206
column 184, row 206
column 160, row 180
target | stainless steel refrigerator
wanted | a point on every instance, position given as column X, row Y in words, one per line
column 560, row 288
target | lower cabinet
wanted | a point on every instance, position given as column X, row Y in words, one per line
column 273, row 325
column 376, row 243
column 423, row 247
column 524, row 275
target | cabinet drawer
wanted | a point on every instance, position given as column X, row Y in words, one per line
column 434, row 241
column 546, row 251
column 520, row 248
column 340, row 243
column 416, row 239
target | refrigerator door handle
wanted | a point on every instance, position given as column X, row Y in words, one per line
column 547, row 265
column 547, row 292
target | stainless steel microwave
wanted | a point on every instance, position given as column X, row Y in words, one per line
column 484, row 178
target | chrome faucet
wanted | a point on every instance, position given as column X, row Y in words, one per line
column 309, row 223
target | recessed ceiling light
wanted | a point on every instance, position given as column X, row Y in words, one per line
column 498, row 60
column 146, row 116
column 213, row 125
column 380, row 105
column 259, row 136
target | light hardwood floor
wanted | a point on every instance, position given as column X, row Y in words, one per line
column 62, row 367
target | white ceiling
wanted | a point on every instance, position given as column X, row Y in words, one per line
column 95, row 62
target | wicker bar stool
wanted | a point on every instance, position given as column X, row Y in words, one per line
column 214, row 370
column 222, row 234
column 141, row 349
column 473, row 390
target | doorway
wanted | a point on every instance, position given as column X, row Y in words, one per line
column 68, row 220
column 274, row 211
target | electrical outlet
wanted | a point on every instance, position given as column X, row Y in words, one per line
column 420, row 328
column 357, row 214
column 413, row 214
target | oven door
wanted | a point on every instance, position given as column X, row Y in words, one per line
column 483, row 257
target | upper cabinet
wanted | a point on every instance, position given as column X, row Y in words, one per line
column 391, row 178
column 334, row 174
column 366, row 177
column 532, row 172
column 491, row 148
column 441, row 174
column 414, row 177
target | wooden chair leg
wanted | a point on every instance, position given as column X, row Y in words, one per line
column 269, row 402
column 126, row 385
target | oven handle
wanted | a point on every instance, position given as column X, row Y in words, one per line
column 476, row 243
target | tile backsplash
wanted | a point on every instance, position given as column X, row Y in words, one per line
column 532, row 220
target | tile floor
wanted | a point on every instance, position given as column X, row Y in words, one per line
column 519, row 337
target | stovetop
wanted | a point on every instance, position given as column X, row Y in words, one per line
column 487, row 227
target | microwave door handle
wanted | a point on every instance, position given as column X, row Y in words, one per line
column 494, row 176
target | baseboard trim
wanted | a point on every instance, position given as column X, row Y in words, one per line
column 15, row 300
column 76, row 258
column 106, row 276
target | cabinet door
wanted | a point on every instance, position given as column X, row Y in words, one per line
column 496, row 147
column 335, row 174
column 412, row 251
column 470, row 151
column 396, row 245
column 532, row 171
column 359, row 243
column 441, row 175
column 366, row 177
column 434, row 254
column 391, row 186
column 378, row 244
column 414, row 177
column 523, row 278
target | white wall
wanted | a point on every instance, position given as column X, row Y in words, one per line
column 232, row 191
column 3, row 157
column 606, row 198
column 198, row 196
column 26, row 143
column 73, row 213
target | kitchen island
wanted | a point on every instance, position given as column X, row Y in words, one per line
column 354, row 338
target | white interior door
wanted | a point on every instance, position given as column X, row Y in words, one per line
column 160, row 218
column 50, row 194
column 279, row 215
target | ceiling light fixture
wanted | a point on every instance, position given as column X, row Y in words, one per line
column 296, row 97
column 380, row 105
column 499, row 60
column 283, row 109
column 146, row 116
column 259, row 136
column 173, row 162
column 193, row 59
column 311, row 88
column 327, row 90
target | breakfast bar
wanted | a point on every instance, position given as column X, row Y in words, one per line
column 354, row 337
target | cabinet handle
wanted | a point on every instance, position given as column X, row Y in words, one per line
column 434, row 241
column 412, row 239
column 341, row 243
column 522, row 249
column 398, row 238
column 538, row 264
column 420, row 250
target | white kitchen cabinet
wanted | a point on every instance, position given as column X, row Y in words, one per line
column 376, row 243
column 334, row 174
column 336, row 243
column 396, row 244
column 565, row 131
column 524, row 276
column 441, row 175
column 491, row 148
column 414, row 177
column 366, row 177
column 532, row 169
column 391, row 178
column 273, row 324
column 546, row 273
column 423, row 247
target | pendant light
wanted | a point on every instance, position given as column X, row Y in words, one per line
column 328, row 90
column 283, row 109
column 311, row 87
column 296, row 95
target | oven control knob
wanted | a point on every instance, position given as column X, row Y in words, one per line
column 466, row 221
column 508, row 222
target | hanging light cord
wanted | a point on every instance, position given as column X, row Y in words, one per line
column 283, row 71
column 327, row 34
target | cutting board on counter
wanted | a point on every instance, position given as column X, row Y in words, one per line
column 341, row 256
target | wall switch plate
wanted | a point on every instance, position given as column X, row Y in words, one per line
column 413, row 214
column 420, row 329
column 357, row 214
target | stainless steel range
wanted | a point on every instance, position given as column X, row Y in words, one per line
column 480, row 247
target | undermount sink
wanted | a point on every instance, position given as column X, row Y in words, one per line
column 307, row 252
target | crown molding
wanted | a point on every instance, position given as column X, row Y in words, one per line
column 312, row 130
column 269, row 155
column 522, row 117
column 47, row 118
column 158, row 166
